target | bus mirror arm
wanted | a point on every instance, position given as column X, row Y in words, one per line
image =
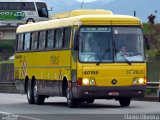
column 50, row 9
column 146, row 40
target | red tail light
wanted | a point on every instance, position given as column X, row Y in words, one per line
column 79, row 81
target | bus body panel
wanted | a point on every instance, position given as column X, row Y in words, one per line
column 104, row 74
column 49, row 67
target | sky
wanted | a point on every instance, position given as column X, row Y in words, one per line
column 143, row 8
column 86, row 0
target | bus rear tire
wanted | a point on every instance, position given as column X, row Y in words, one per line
column 30, row 96
column 39, row 99
column 124, row 102
column 72, row 102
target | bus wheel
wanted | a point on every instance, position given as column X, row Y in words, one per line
column 30, row 20
column 90, row 101
column 30, row 96
column 72, row 102
column 124, row 102
column 39, row 99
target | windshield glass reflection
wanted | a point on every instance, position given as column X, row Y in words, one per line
column 95, row 44
column 128, row 44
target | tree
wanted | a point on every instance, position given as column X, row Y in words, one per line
column 6, row 48
column 151, row 19
column 154, row 37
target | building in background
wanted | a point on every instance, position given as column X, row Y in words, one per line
column 16, row 12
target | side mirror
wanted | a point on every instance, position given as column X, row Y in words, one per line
column 50, row 9
column 146, row 41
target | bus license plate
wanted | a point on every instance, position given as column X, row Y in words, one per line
column 113, row 93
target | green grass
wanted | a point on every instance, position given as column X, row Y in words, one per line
column 145, row 28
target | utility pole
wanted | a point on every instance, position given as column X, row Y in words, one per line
column 156, row 14
column 82, row 4
column 134, row 13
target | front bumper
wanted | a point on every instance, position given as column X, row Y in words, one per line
column 96, row 92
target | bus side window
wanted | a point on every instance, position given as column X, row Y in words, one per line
column 50, row 39
column 42, row 40
column 27, row 39
column 34, row 40
column 3, row 6
column 20, row 42
column 59, row 38
column 13, row 6
column 29, row 6
column 67, row 35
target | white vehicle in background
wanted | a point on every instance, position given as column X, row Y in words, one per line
column 16, row 12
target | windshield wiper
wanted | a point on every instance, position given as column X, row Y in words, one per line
column 126, row 60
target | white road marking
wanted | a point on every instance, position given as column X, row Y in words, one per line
column 16, row 116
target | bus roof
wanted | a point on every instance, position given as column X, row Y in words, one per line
column 89, row 19
column 80, row 12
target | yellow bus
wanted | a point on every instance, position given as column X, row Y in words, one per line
column 82, row 55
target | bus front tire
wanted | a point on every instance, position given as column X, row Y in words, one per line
column 30, row 20
column 124, row 102
column 30, row 96
column 159, row 95
column 39, row 99
column 72, row 102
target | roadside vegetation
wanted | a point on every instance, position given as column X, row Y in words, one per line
column 153, row 63
column 6, row 49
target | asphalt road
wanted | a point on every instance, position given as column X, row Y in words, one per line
column 16, row 107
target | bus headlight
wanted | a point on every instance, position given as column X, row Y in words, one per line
column 92, row 82
column 85, row 81
column 141, row 80
column 138, row 81
column 135, row 81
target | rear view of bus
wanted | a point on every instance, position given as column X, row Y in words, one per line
column 19, row 12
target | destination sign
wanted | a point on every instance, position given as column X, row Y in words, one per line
column 96, row 29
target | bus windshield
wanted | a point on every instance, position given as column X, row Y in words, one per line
column 95, row 44
column 108, row 44
column 42, row 9
column 128, row 44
